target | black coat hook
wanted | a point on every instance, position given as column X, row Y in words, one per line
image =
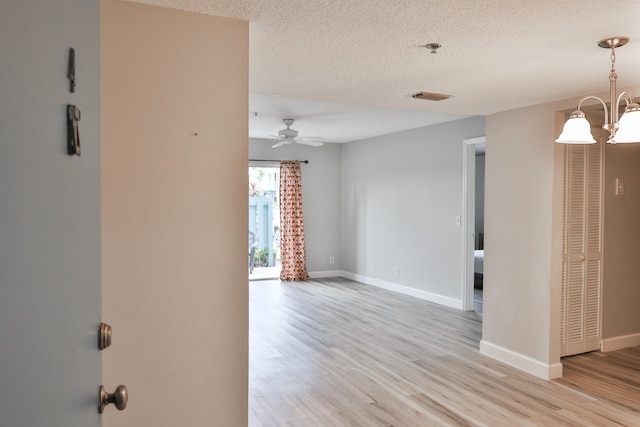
column 71, row 70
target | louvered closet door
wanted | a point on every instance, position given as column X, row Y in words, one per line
column 582, row 249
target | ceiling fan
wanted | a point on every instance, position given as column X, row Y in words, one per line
column 289, row 136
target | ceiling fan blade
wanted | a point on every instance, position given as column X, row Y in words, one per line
column 279, row 144
column 310, row 142
column 311, row 138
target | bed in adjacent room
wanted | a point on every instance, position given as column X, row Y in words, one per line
column 478, row 262
column 478, row 267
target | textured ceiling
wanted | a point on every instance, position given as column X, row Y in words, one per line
column 496, row 55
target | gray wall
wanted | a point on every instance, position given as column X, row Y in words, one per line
column 50, row 367
column 321, row 184
column 401, row 194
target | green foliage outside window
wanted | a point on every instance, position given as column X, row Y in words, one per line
column 262, row 258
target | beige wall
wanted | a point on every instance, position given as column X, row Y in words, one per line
column 523, row 211
column 621, row 275
column 174, row 214
column 518, row 204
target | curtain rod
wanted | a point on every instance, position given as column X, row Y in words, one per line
column 274, row 161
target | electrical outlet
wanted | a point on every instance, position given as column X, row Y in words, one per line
column 332, row 260
column 396, row 272
column 619, row 187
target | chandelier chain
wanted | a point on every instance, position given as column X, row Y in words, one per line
column 613, row 59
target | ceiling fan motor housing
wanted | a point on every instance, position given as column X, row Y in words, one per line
column 289, row 136
column 288, row 133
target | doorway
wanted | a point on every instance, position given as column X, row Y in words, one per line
column 473, row 228
column 264, row 223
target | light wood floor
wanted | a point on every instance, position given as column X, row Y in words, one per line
column 477, row 301
column 332, row 352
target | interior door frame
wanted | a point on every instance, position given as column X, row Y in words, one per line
column 469, row 225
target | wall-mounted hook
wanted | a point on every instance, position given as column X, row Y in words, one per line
column 71, row 70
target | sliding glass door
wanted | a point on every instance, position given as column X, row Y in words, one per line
column 264, row 223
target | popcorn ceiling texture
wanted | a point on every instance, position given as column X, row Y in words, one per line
column 495, row 56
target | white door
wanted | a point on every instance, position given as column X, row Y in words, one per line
column 50, row 366
column 582, row 249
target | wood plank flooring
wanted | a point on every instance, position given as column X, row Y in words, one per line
column 333, row 352
column 477, row 301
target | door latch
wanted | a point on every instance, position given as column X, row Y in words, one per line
column 104, row 336
column 73, row 134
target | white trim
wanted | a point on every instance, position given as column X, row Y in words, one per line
column 401, row 289
column 325, row 274
column 394, row 287
column 527, row 364
column 475, row 140
column 265, row 164
column 618, row 343
column 469, row 223
column 406, row 290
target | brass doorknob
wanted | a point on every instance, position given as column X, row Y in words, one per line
column 119, row 398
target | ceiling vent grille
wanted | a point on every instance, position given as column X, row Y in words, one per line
column 431, row 96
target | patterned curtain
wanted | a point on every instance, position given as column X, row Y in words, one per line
column 294, row 257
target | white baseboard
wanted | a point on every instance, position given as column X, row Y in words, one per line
column 520, row 361
column 618, row 343
column 406, row 290
column 325, row 274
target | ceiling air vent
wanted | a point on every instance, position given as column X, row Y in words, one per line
column 430, row 96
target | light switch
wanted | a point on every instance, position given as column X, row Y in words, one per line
column 458, row 220
column 619, row 187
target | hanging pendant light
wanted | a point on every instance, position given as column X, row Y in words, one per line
column 629, row 126
column 577, row 129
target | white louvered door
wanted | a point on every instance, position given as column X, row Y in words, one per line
column 582, row 249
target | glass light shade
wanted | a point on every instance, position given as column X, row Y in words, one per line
column 628, row 126
column 576, row 130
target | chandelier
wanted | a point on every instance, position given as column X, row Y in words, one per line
column 577, row 129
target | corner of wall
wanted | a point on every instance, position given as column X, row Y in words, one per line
column 546, row 371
